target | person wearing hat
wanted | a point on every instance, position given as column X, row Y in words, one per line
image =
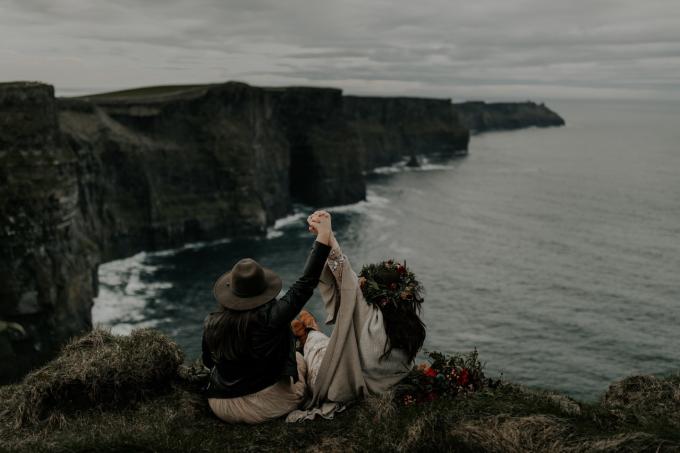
column 256, row 374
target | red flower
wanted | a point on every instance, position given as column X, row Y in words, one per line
column 393, row 286
column 401, row 269
column 464, row 377
column 430, row 372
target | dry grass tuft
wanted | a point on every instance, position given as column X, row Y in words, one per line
column 98, row 370
column 620, row 443
column 416, row 432
column 535, row 433
column 382, row 406
column 543, row 433
column 645, row 400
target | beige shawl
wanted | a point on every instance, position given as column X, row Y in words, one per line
column 351, row 366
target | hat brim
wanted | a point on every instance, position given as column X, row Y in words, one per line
column 226, row 297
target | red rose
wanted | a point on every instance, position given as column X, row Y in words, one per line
column 401, row 269
column 464, row 377
column 430, row 372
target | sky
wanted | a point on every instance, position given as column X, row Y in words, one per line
column 473, row 49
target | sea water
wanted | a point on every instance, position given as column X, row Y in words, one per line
column 555, row 252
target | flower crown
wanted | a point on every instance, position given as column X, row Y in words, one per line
column 390, row 282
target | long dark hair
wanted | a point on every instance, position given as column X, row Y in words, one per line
column 404, row 328
column 227, row 333
column 394, row 289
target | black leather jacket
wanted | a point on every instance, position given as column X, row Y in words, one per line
column 271, row 338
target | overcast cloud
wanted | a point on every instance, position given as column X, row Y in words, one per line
column 493, row 49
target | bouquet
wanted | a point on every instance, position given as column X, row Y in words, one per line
column 443, row 377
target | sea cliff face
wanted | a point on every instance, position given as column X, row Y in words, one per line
column 480, row 116
column 157, row 171
column 47, row 258
column 390, row 129
column 96, row 178
column 325, row 166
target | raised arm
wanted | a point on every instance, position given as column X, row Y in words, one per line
column 301, row 291
column 336, row 259
column 337, row 278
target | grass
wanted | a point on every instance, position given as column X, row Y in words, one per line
column 159, row 90
column 106, row 393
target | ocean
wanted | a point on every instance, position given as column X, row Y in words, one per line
column 554, row 252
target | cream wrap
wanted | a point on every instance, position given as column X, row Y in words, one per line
column 351, row 367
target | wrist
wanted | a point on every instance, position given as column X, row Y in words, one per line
column 324, row 237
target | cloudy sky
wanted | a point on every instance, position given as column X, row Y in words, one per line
column 492, row 49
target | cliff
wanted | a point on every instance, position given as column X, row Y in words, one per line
column 159, row 170
column 324, row 159
column 480, row 116
column 127, row 393
column 390, row 129
column 47, row 258
column 87, row 180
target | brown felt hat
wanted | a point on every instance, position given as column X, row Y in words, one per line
column 248, row 285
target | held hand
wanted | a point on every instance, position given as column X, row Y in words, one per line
column 310, row 225
column 320, row 224
column 314, row 218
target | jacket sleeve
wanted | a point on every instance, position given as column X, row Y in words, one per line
column 288, row 306
column 206, row 356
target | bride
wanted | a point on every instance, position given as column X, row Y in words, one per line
column 377, row 332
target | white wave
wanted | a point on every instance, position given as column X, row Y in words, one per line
column 112, row 308
column 274, row 231
column 190, row 246
column 288, row 220
column 372, row 200
column 401, row 166
column 390, row 169
column 124, row 292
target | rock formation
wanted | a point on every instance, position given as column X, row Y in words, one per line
column 47, row 260
column 480, row 116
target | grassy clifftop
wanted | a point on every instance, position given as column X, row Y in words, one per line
column 131, row 393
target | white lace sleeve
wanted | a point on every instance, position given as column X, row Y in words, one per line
column 335, row 262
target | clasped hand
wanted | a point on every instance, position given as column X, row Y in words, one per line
column 319, row 223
